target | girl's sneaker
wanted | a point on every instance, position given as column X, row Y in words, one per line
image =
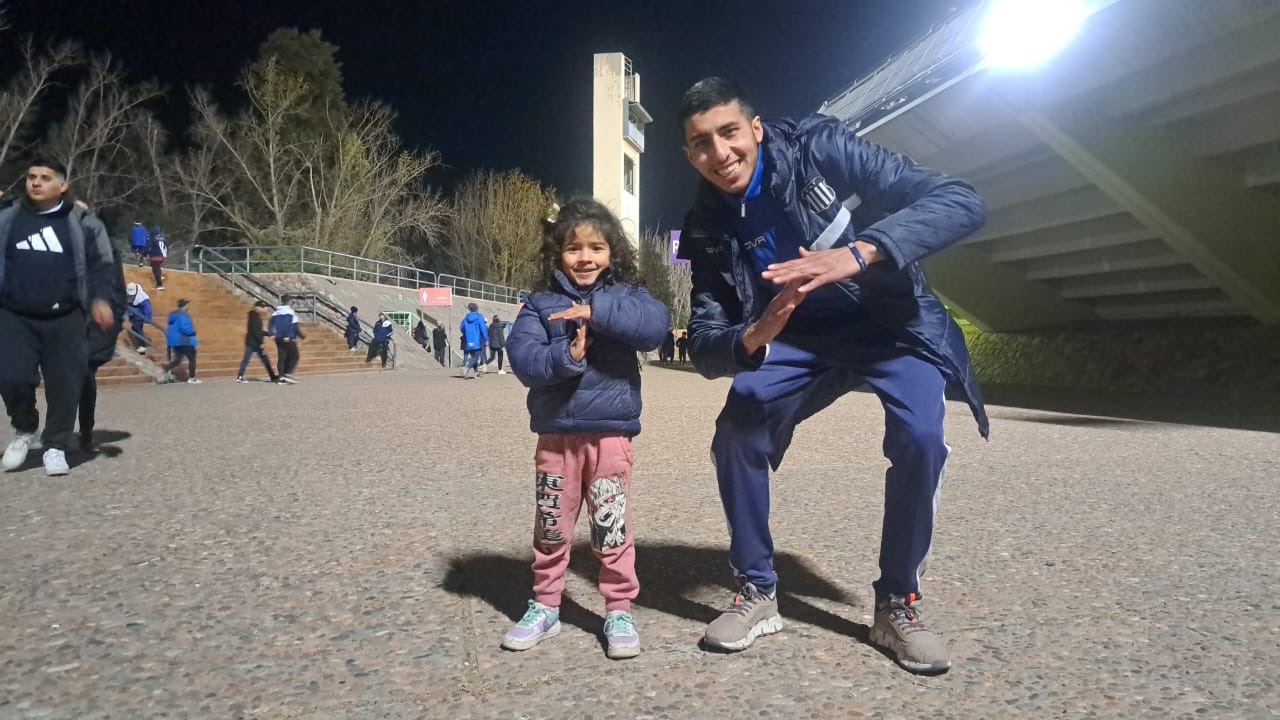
column 539, row 622
column 620, row 633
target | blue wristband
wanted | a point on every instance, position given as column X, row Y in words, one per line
column 862, row 263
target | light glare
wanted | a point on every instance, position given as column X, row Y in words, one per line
column 1024, row 34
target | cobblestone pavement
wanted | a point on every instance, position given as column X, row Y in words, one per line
column 355, row 546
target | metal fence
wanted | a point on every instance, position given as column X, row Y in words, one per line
column 300, row 259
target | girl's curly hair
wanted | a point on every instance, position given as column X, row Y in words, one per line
column 560, row 222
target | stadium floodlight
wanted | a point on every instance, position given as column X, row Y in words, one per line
column 1024, row 34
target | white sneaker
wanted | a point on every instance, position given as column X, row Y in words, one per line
column 502, row 372
column 241, row 380
column 288, row 379
column 16, row 453
column 55, row 462
column 193, row 381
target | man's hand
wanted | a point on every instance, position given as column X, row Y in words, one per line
column 775, row 317
column 578, row 346
column 815, row 269
column 101, row 312
column 575, row 312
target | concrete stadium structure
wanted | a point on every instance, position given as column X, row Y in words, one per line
column 1136, row 176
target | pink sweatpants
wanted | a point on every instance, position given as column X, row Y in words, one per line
column 569, row 468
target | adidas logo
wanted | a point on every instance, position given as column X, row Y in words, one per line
column 44, row 241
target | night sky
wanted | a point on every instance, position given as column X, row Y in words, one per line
column 508, row 84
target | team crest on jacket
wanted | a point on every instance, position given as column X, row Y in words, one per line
column 818, row 195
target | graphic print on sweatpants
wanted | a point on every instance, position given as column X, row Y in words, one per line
column 573, row 471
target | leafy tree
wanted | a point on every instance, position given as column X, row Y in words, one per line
column 495, row 230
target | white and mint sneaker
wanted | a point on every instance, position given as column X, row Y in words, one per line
column 621, row 636
column 539, row 623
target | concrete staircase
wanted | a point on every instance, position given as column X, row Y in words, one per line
column 219, row 318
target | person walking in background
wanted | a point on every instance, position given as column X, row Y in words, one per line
column 382, row 330
column 420, row 334
column 182, row 340
column 284, row 328
column 255, row 337
column 138, row 242
column 682, row 346
column 138, row 310
column 497, row 341
column 667, row 351
column 56, row 267
column 475, row 336
column 353, row 329
column 440, row 344
column 574, row 346
column 158, row 251
column 802, row 302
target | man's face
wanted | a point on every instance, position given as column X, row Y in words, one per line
column 722, row 145
column 44, row 186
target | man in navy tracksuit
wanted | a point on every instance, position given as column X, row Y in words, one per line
column 56, row 275
column 804, row 241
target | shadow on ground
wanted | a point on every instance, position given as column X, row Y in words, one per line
column 669, row 575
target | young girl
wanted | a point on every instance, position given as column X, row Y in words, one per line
column 574, row 346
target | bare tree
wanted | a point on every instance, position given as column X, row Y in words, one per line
column 366, row 190
column 496, row 233
column 21, row 95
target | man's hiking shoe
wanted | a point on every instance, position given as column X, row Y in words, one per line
column 16, row 453
column 621, row 636
column 899, row 629
column 752, row 614
column 539, row 623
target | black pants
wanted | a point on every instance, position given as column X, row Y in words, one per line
column 88, row 402
column 441, row 350
column 352, row 341
column 56, row 348
column 155, row 270
column 249, row 352
column 379, row 348
column 496, row 352
column 286, row 357
column 180, row 352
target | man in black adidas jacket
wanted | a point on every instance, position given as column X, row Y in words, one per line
column 55, row 277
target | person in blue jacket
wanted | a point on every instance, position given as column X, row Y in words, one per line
column 139, row 239
column 353, row 329
column 283, row 326
column 181, row 337
column 804, row 241
column 475, row 338
column 574, row 345
column 381, row 339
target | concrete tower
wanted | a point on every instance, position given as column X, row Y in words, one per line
column 618, row 139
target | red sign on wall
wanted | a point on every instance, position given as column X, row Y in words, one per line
column 435, row 297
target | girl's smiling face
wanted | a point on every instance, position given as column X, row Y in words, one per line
column 584, row 255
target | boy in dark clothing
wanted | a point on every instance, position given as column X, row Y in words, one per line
column 55, row 273
column 255, row 335
column 497, row 341
column 158, row 250
column 353, row 329
column 440, row 343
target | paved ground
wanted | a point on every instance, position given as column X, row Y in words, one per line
column 354, row 547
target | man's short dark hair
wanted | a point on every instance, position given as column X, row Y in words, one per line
column 52, row 163
column 708, row 93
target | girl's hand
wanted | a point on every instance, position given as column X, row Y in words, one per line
column 575, row 312
column 578, row 346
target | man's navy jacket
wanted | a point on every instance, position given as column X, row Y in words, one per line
column 813, row 169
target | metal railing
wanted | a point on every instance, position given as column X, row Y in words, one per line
column 236, row 272
column 301, row 259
